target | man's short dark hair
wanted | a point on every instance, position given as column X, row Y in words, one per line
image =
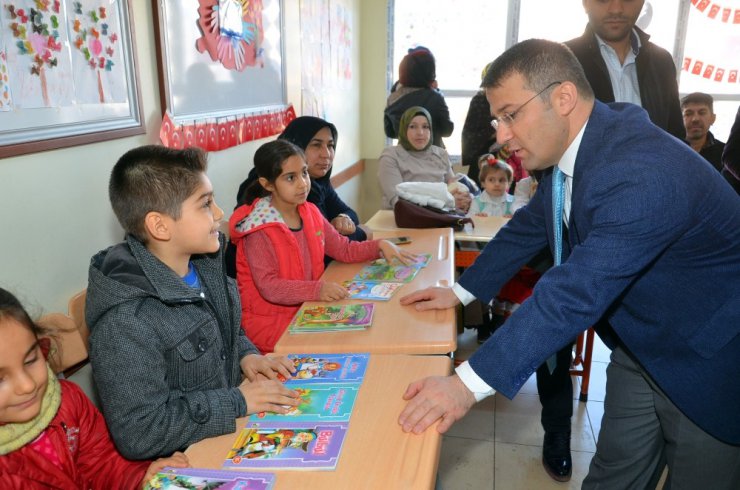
column 153, row 178
column 540, row 63
column 699, row 98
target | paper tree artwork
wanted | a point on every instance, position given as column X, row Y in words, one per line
column 5, row 101
column 232, row 32
column 95, row 40
column 35, row 32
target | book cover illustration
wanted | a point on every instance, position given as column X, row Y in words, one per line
column 374, row 291
column 320, row 402
column 422, row 260
column 204, row 479
column 326, row 318
column 285, row 445
column 386, row 273
column 323, row 368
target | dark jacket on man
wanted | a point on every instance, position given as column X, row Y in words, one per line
column 656, row 76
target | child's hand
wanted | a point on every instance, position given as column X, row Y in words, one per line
column 482, row 215
column 331, row 291
column 389, row 251
column 254, row 364
column 177, row 460
column 268, row 396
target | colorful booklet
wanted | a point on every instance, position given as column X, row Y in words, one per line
column 286, row 445
column 329, row 318
column 386, row 273
column 320, row 402
column 195, row 478
column 328, row 368
column 378, row 291
column 422, row 260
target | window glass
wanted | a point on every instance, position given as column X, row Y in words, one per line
column 711, row 61
column 537, row 20
column 463, row 40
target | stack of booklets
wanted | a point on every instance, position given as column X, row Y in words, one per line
column 196, row 478
column 332, row 318
column 309, row 436
column 379, row 280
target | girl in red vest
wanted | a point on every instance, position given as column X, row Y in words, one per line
column 281, row 240
column 51, row 435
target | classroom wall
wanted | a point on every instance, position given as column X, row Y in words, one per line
column 54, row 209
column 374, row 55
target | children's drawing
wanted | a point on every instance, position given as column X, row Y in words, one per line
column 232, row 32
column 6, row 102
column 37, row 57
column 95, row 37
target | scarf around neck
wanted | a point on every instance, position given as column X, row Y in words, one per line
column 15, row 436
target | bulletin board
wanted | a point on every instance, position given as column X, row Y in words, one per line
column 220, row 58
column 67, row 74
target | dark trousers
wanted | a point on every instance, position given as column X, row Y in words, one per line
column 642, row 431
column 556, row 393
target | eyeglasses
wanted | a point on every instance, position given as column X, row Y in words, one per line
column 507, row 118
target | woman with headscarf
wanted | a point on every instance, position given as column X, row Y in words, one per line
column 318, row 139
column 416, row 159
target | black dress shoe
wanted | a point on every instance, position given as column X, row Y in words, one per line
column 556, row 455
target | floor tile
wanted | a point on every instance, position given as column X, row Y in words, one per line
column 518, row 422
column 597, row 383
column 600, row 351
column 465, row 464
column 478, row 423
column 595, row 413
column 520, row 467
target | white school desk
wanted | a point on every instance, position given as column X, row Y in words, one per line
column 376, row 452
column 485, row 228
column 395, row 329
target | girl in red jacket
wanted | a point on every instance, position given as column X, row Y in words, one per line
column 281, row 240
column 51, row 435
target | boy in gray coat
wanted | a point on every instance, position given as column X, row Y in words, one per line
column 166, row 346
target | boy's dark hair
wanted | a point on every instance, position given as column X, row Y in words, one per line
column 268, row 163
column 153, row 178
column 11, row 308
column 488, row 163
column 540, row 63
column 699, row 98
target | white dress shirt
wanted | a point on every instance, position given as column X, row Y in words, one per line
column 567, row 163
column 623, row 76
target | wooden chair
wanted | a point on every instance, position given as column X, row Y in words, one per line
column 68, row 350
column 76, row 307
column 582, row 357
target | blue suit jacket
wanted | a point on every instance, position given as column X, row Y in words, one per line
column 655, row 235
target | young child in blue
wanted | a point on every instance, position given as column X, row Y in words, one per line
column 495, row 180
column 51, row 435
column 166, row 346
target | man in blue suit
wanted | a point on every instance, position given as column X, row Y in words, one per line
column 650, row 243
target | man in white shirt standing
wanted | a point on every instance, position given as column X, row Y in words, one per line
column 622, row 65
column 634, row 252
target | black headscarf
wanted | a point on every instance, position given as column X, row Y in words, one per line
column 300, row 131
